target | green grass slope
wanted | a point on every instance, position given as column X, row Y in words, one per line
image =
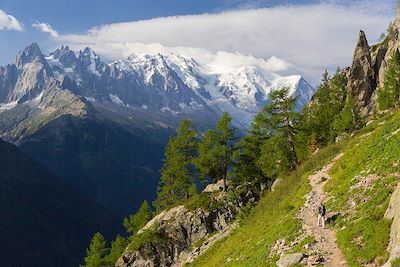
column 272, row 219
column 363, row 233
column 360, row 189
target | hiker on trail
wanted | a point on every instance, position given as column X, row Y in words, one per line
column 321, row 215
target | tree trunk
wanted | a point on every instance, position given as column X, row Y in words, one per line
column 291, row 143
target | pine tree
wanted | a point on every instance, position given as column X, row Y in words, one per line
column 275, row 157
column 96, row 252
column 278, row 154
column 117, row 248
column 327, row 102
column 136, row 221
column 313, row 143
column 283, row 118
column 216, row 151
column 177, row 171
column 347, row 120
column 389, row 94
column 207, row 160
column 247, row 155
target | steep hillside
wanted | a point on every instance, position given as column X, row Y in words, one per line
column 42, row 214
column 116, row 166
column 341, row 150
column 109, row 123
column 358, row 196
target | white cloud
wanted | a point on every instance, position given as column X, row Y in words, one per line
column 8, row 22
column 45, row 27
column 303, row 38
column 221, row 61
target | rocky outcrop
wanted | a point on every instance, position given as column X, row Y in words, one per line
column 360, row 75
column 369, row 65
column 187, row 233
column 181, row 228
column 393, row 213
column 218, row 186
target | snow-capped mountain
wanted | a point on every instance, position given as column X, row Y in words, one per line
column 169, row 83
column 242, row 91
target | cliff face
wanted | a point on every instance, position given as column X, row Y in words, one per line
column 361, row 80
column 180, row 229
column 178, row 235
column 366, row 74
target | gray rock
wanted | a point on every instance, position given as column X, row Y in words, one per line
column 182, row 228
column 218, row 186
column 360, row 76
column 393, row 213
column 275, row 184
column 289, row 260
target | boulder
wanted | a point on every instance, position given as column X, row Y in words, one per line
column 275, row 184
column 218, row 186
column 289, row 260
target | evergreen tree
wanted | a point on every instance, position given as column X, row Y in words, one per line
column 326, row 103
column 389, row 94
column 117, row 248
column 216, row 151
column 347, row 120
column 275, row 157
column 278, row 154
column 136, row 221
column 313, row 143
column 247, row 168
column 283, row 117
column 96, row 252
column 207, row 160
column 177, row 171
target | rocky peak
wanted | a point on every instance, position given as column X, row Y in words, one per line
column 88, row 54
column 30, row 54
column 360, row 76
column 65, row 56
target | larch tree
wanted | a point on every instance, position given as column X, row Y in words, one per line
column 279, row 152
column 95, row 254
column 389, row 93
column 136, row 221
column 216, row 151
column 177, row 171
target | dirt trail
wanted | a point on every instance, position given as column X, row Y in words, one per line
column 325, row 238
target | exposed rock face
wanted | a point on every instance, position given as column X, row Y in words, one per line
column 182, row 228
column 367, row 71
column 360, row 76
column 218, row 186
column 393, row 213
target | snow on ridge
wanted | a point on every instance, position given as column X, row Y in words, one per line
column 242, row 88
column 116, row 100
column 242, row 91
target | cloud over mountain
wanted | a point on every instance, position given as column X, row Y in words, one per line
column 45, row 27
column 8, row 22
column 307, row 37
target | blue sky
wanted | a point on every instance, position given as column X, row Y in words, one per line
column 77, row 15
column 240, row 27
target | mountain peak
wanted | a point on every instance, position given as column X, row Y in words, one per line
column 362, row 40
column 28, row 55
column 87, row 53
